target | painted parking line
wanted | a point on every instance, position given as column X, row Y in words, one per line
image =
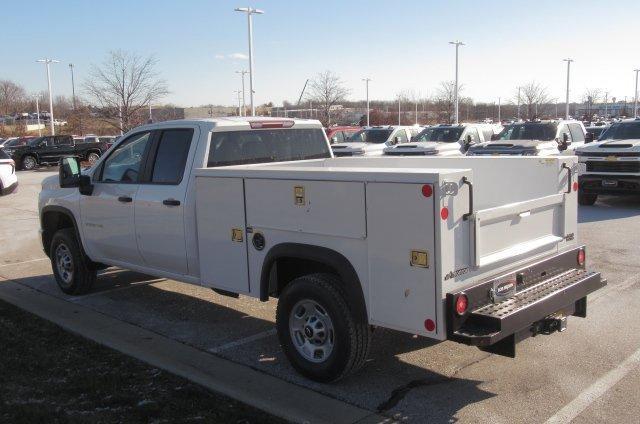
column 596, row 390
column 243, row 341
column 24, row 262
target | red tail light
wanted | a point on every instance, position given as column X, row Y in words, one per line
column 462, row 303
column 582, row 257
column 271, row 124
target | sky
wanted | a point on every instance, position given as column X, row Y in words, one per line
column 401, row 45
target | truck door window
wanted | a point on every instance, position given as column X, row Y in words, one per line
column 171, row 156
column 262, row 146
column 577, row 135
column 403, row 136
column 123, row 164
column 63, row 141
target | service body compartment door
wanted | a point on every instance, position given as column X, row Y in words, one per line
column 221, row 233
column 400, row 226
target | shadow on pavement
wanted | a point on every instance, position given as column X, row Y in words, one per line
column 203, row 322
column 610, row 207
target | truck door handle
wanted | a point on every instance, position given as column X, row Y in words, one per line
column 125, row 199
column 570, row 175
column 171, row 202
column 466, row 181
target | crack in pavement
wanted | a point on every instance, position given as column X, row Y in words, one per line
column 401, row 392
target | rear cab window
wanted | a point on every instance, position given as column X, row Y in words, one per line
column 266, row 145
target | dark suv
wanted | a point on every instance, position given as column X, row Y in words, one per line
column 49, row 149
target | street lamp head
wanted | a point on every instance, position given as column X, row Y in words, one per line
column 457, row 43
column 249, row 10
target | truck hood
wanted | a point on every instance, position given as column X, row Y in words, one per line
column 611, row 146
column 51, row 183
column 357, row 147
column 514, row 147
column 421, row 147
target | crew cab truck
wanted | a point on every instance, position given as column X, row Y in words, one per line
column 48, row 150
column 611, row 165
column 444, row 140
column 486, row 252
column 535, row 138
column 371, row 141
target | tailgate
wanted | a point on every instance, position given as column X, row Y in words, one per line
column 515, row 229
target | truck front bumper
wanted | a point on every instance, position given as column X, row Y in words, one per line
column 547, row 293
column 609, row 184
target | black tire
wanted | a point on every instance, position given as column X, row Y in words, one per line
column 587, row 199
column 28, row 163
column 92, row 157
column 73, row 272
column 351, row 333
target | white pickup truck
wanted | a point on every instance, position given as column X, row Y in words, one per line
column 486, row 252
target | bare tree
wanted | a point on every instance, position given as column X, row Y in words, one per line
column 590, row 97
column 327, row 90
column 123, row 85
column 532, row 97
column 445, row 99
column 12, row 97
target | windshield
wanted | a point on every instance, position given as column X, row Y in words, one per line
column 12, row 143
column 440, row 134
column 622, row 131
column 370, row 136
column 262, row 146
column 529, row 131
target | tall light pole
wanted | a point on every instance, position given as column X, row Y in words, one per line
column 518, row 103
column 366, row 82
column 38, row 115
column 455, row 89
column 244, row 105
column 250, row 11
column 606, row 104
column 238, row 92
column 398, row 109
column 47, row 62
column 566, row 114
column 635, row 96
column 73, row 87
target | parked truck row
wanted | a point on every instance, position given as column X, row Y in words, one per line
column 486, row 252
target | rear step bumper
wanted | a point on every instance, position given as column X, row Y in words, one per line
column 540, row 308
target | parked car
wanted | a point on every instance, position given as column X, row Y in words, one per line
column 8, row 177
column 371, row 141
column 444, row 140
column 109, row 140
column 340, row 134
column 535, row 138
column 49, row 149
column 612, row 164
column 197, row 202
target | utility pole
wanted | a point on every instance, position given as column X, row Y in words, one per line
column 398, row 109
column 73, row 87
column 566, row 115
column 518, row 103
column 150, row 115
column 635, row 96
column 366, row 82
column 244, row 105
column 416, row 105
column 47, row 62
column 38, row 114
column 250, row 11
column 499, row 116
column 606, row 104
column 455, row 89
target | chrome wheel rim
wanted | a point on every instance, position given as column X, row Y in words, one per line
column 93, row 157
column 28, row 162
column 311, row 331
column 64, row 264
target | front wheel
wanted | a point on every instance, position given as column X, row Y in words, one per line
column 587, row 199
column 29, row 163
column 319, row 333
column 72, row 270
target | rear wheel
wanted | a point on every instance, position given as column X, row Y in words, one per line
column 29, row 162
column 587, row 199
column 93, row 157
column 320, row 334
column 73, row 272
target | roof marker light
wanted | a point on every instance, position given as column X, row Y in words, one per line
column 271, row 124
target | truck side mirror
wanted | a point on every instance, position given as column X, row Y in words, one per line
column 334, row 140
column 588, row 137
column 563, row 143
column 468, row 140
column 69, row 172
column 396, row 140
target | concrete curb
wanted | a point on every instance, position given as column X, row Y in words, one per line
column 268, row 393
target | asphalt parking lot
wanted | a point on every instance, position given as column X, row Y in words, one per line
column 589, row 373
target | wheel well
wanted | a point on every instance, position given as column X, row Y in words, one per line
column 97, row 151
column 51, row 222
column 288, row 261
